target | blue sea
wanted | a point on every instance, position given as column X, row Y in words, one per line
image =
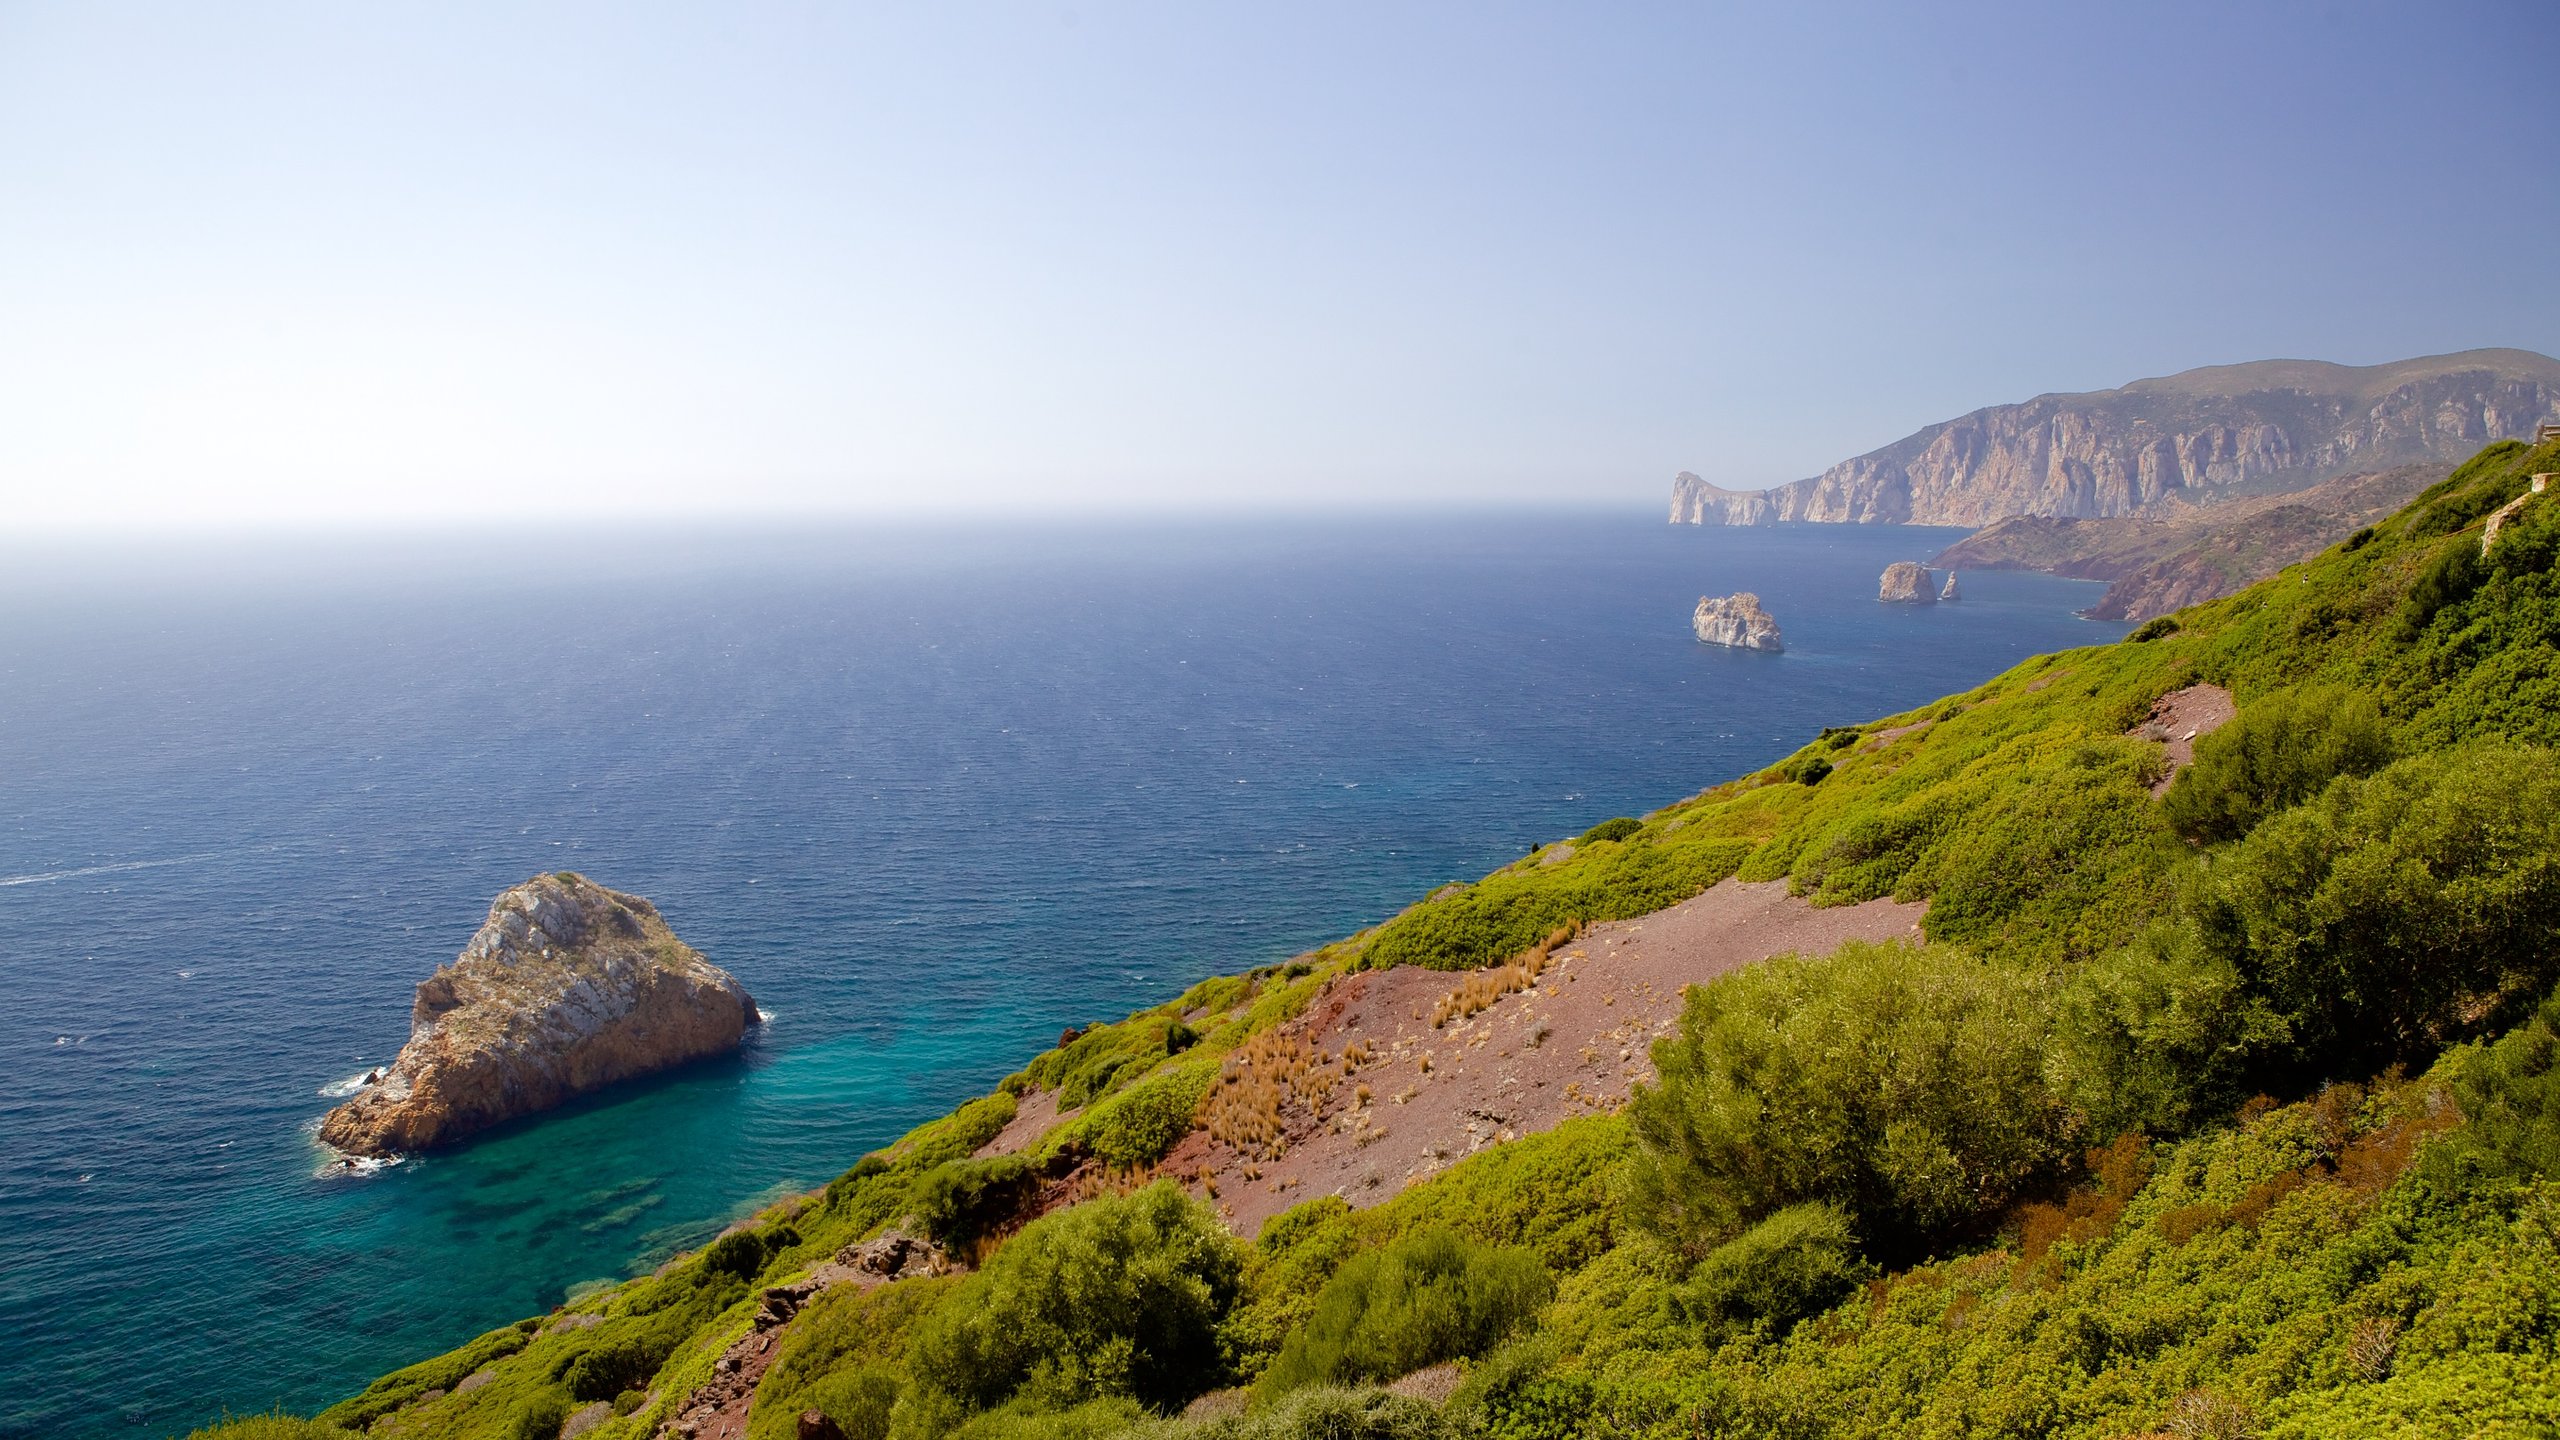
column 932, row 792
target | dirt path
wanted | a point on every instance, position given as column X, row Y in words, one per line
column 1033, row 1114
column 1572, row 1045
column 2178, row 718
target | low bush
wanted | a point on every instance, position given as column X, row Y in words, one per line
column 1798, row 1262
column 1137, row 1126
column 277, row 1426
column 605, row 1370
column 1907, row 1086
column 1421, row 1300
column 845, row 1356
column 961, row 1201
column 1509, row 910
column 2510, row 1101
column 1121, row 1296
column 1618, row 829
column 2276, row 753
column 740, row 1253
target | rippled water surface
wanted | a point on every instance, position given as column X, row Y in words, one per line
column 932, row 793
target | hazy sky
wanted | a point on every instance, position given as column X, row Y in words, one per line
column 445, row 260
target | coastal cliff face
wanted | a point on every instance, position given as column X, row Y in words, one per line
column 1736, row 620
column 1907, row 582
column 567, row 988
column 2261, row 428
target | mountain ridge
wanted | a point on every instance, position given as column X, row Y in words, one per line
column 2222, row 431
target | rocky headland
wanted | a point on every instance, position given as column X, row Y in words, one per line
column 2223, row 431
column 568, row 987
column 1907, row 582
column 1736, row 620
column 2181, row 553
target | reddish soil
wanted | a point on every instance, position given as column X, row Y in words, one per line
column 1033, row 1114
column 1572, row 1045
column 2180, row 716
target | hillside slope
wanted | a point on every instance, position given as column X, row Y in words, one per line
column 2180, row 553
column 2267, row 427
column 2220, row 1106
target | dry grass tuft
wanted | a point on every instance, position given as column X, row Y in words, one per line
column 1481, row 989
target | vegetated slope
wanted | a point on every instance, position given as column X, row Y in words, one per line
column 2230, row 1110
column 2180, row 553
column 2260, row 428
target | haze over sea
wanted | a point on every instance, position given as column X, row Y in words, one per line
column 932, row 793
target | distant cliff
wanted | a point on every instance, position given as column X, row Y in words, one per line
column 2227, row 430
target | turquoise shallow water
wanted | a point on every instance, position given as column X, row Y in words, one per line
column 932, row 793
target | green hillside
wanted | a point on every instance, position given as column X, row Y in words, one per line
column 2229, row 1111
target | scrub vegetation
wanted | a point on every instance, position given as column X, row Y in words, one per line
column 2228, row 1110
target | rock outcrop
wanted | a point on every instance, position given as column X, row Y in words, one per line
column 569, row 987
column 1907, row 582
column 1736, row 620
column 2263, row 428
column 1949, row 591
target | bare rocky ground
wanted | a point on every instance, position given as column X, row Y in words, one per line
column 1408, row 1100
column 1573, row 1044
column 2178, row 719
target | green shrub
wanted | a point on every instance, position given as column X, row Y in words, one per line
column 1511, row 910
column 1813, row 771
column 1618, row 829
column 1423, row 1299
column 605, row 1370
column 2372, row 922
column 1323, row 1412
column 859, row 1399
column 2510, row 1101
column 1137, row 1126
column 1905, row 1085
column 740, row 1253
column 844, row 1354
column 539, row 1416
column 2276, row 753
column 278, row 1426
column 2452, row 573
column 1798, row 1262
column 1120, row 1296
column 960, row 1201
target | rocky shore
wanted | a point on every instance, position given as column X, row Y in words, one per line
column 1736, row 620
column 567, row 988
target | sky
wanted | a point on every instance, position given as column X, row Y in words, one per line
column 444, row 263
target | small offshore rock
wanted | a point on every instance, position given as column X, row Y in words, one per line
column 1948, row 590
column 567, row 988
column 1907, row 582
column 1736, row 620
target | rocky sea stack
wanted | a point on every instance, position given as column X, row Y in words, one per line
column 1907, row 582
column 1736, row 620
column 569, row 987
